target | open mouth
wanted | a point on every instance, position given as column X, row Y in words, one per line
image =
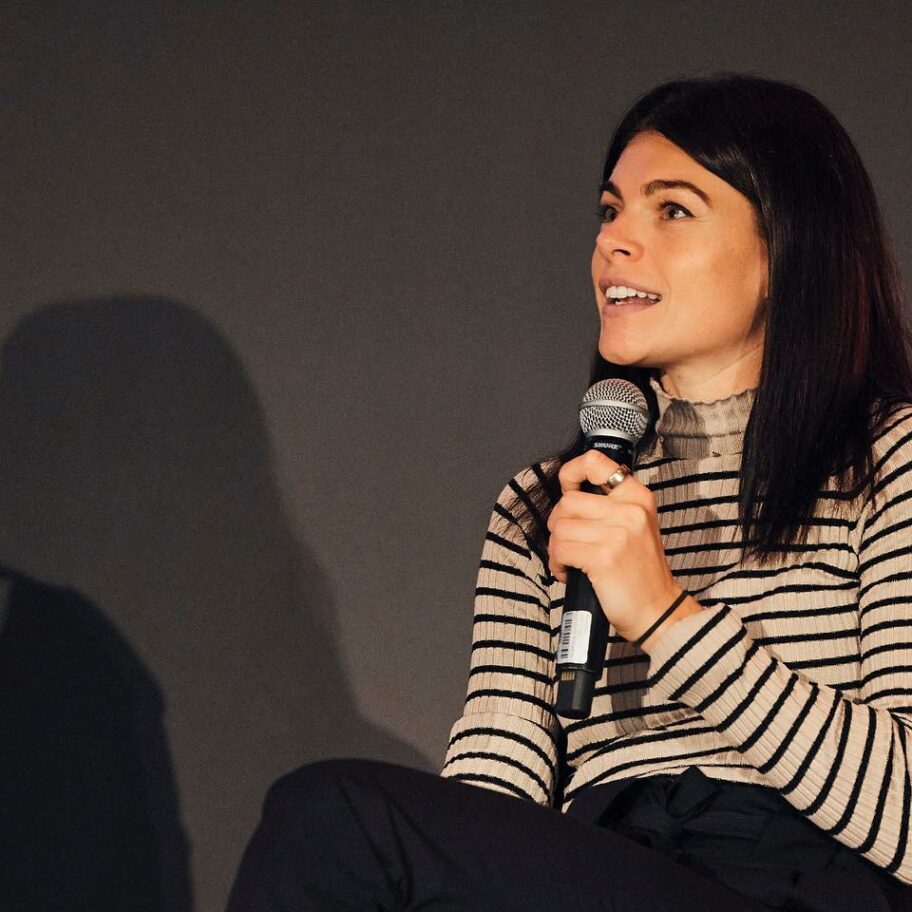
column 631, row 300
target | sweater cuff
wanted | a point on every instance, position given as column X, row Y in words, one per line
column 504, row 753
column 698, row 655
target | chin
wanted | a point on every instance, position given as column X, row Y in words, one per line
column 624, row 359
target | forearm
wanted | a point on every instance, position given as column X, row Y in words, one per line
column 843, row 764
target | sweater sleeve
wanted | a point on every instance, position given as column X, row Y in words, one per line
column 844, row 763
column 506, row 738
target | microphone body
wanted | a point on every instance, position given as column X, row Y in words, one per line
column 614, row 428
column 584, row 627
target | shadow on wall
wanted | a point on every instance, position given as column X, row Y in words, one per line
column 90, row 817
column 143, row 477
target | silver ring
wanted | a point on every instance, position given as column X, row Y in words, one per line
column 617, row 477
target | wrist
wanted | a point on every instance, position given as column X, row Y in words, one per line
column 688, row 606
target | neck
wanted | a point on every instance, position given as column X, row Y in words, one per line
column 702, row 385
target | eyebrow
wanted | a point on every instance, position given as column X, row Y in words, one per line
column 655, row 185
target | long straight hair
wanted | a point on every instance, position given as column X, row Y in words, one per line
column 837, row 345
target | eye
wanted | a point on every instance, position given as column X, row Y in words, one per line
column 675, row 212
column 670, row 206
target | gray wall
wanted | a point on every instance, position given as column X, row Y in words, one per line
column 289, row 291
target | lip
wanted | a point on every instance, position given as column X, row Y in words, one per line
column 612, row 311
column 606, row 281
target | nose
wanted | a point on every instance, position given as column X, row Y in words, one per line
column 618, row 238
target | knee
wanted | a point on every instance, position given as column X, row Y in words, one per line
column 317, row 786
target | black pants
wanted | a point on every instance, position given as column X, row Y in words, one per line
column 346, row 835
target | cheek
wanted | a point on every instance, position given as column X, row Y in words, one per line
column 738, row 278
column 597, row 265
column 749, row 285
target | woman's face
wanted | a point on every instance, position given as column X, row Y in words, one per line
column 674, row 229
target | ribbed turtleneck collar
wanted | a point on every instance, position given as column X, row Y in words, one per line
column 693, row 428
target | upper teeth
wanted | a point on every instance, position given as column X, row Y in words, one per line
column 620, row 291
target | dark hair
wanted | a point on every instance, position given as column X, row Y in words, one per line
column 836, row 355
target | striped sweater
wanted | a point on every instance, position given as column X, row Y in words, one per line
column 796, row 676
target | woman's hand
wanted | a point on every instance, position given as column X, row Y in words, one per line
column 616, row 541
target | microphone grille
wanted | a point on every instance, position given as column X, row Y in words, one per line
column 614, row 406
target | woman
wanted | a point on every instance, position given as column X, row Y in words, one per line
column 749, row 743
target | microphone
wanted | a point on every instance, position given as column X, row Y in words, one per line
column 614, row 416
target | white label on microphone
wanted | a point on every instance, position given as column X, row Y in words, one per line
column 574, row 638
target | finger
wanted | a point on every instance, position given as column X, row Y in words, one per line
column 584, row 555
column 592, row 466
column 596, row 468
column 573, row 503
column 578, row 504
column 578, row 530
column 611, row 511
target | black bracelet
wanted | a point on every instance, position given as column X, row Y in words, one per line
column 665, row 615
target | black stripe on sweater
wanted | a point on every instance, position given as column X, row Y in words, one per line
column 902, row 576
column 882, row 603
column 885, row 625
column 881, row 801
column 866, row 654
column 729, row 644
column 727, row 681
column 511, row 596
column 791, row 587
column 501, row 758
column 729, row 572
column 749, row 697
column 645, row 761
column 850, row 632
column 638, row 712
column 906, row 808
column 532, row 510
column 623, row 742
column 636, row 658
column 506, row 543
column 620, row 687
column 887, row 530
column 803, row 565
column 812, row 612
column 510, row 646
column 699, row 526
column 512, row 571
column 712, row 570
column 699, row 503
column 551, row 486
column 480, row 694
column 827, row 786
column 851, row 659
column 884, row 510
column 898, row 472
column 805, row 764
column 886, row 670
column 705, row 546
column 493, row 780
column 694, row 478
column 512, row 621
column 891, row 692
column 888, row 428
column 512, row 670
column 656, row 463
column 798, row 548
column 790, row 734
column 704, row 631
column 764, row 725
column 852, row 804
column 507, row 736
